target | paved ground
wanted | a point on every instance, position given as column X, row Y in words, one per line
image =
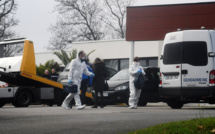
column 110, row 120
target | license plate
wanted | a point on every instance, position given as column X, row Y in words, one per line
column 104, row 94
column 172, row 77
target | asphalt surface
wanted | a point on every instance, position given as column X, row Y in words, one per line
column 109, row 120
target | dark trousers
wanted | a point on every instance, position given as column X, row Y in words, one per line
column 84, row 84
column 101, row 97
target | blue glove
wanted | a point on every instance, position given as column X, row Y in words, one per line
column 139, row 71
column 69, row 81
column 92, row 75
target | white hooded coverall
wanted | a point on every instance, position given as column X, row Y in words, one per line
column 77, row 68
column 134, row 93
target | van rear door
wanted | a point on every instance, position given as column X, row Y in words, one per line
column 195, row 72
column 171, row 69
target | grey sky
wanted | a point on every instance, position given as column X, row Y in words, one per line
column 36, row 16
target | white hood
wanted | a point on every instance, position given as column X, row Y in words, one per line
column 12, row 64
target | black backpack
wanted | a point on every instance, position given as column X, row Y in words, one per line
column 139, row 81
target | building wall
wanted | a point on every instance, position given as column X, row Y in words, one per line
column 114, row 49
column 42, row 58
column 153, row 22
column 117, row 49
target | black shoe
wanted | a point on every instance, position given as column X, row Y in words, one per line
column 94, row 106
column 101, row 106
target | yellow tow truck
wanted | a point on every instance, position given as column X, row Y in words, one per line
column 23, row 85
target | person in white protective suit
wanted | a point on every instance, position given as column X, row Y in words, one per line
column 134, row 69
column 77, row 68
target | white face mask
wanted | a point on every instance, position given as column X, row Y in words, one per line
column 136, row 63
column 83, row 58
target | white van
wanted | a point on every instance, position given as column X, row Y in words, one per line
column 187, row 67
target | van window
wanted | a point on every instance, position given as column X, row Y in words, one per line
column 193, row 53
column 172, row 53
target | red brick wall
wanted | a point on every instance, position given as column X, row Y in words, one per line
column 153, row 22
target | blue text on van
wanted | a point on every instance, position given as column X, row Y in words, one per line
column 195, row 79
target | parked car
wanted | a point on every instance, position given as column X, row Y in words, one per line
column 63, row 76
column 119, row 87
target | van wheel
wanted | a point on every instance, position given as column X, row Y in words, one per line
column 23, row 99
column 175, row 104
column 14, row 103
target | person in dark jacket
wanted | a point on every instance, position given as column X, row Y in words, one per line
column 54, row 75
column 46, row 74
column 99, row 81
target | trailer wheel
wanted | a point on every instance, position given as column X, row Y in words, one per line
column 2, row 103
column 23, row 99
column 175, row 104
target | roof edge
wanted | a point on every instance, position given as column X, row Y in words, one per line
column 194, row 3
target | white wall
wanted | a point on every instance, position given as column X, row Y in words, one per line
column 147, row 48
column 42, row 58
column 114, row 49
column 117, row 49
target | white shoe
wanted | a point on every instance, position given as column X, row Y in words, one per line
column 132, row 107
column 65, row 107
column 80, row 107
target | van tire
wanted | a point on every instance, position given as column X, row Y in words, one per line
column 14, row 103
column 23, row 99
column 175, row 104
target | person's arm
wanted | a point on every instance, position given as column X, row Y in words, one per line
column 71, row 70
column 132, row 71
column 90, row 82
column 143, row 72
column 86, row 71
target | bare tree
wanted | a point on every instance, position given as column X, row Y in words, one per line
column 115, row 16
column 7, row 21
column 61, row 36
column 10, row 50
column 78, row 21
column 7, row 9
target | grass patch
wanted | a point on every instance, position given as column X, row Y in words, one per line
column 194, row 126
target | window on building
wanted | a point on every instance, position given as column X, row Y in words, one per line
column 151, row 61
column 143, row 62
column 119, row 64
column 112, row 63
column 124, row 63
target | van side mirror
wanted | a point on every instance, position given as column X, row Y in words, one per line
column 211, row 54
column 161, row 57
column 3, row 68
